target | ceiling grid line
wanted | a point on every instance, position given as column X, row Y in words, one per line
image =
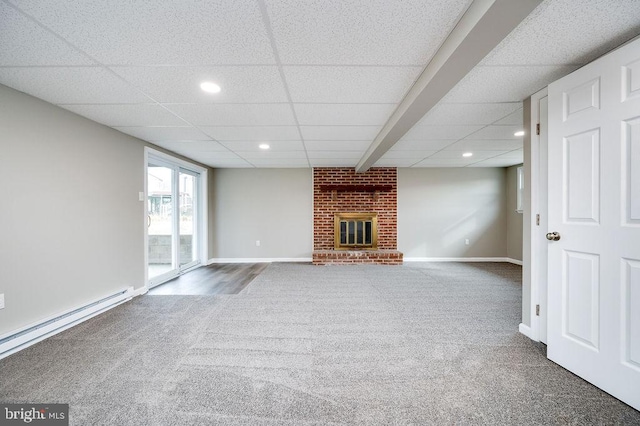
column 267, row 23
column 315, row 79
column 461, row 139
column 98, row 64
column 109, row 70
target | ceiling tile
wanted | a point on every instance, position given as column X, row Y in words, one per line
column 458, row 114
column 339, row 133
column 568, row 32
column 396, row 162
column 361, row 31
column 268, row 154
column 513, row 119
column 71, row 85
column 351, row 155
column 218, row 155
column 497, row 132
column 253, row 133
column 224, row 163
column 127, row 114
column 457, row 155
column 24, row 42
column 277, row 163
column 343, row 114
column 424, row 145
column 337, row 145
column 415, row 154
column 505, row 83
column 485, row 145
column 246, row 84
column 164, row 133
column 215, row 155
column 346, row 66
column 191, row 146
column 329, row 84
column 255, row 145
column 333, row 162
column 516, row 154
column 495, row 163
column 430, row 162
column 235, row 114
column 160, row 32
column 439, row 132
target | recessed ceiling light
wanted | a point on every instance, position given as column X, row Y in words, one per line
column 264, row 146
column 467, row 154
column 210, row 87
column 519, row 133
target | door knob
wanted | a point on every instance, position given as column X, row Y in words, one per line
column 553, row 236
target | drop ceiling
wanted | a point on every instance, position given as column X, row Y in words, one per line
column 315, row 79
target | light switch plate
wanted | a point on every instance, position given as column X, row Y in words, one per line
column 140, row 196
column 2, row 301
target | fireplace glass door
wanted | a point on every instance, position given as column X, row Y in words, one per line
column 356, row 231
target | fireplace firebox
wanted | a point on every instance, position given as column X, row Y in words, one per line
column 356, row 231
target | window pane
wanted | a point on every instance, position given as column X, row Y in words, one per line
column 352, row 228
column 187, row 195
column 343, row 232
column 367, row 233
column 520, row 188
column 160, row 181
column 360, row 237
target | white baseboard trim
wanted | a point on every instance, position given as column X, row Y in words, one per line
column 24, row 337
column 461, row 259
column 258, row 260
column 406, row 259
column 527, row 331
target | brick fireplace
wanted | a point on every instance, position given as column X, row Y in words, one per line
column 341, row 192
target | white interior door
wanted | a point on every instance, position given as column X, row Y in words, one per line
column 594, row 206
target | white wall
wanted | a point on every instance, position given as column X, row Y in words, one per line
column 439, row 208
column 273, row 206
column 72, row 225
column 514, row 219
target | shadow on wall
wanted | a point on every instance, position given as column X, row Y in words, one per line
column 470, row 231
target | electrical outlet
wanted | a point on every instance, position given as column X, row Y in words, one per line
column 466, row 241
column 2, row 301
column 257, row 243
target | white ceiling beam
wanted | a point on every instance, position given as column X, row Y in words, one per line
column 482, row 27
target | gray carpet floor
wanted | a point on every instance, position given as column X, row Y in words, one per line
column 418, row 344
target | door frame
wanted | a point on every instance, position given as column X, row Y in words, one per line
column 534, row 274
column 202, row 208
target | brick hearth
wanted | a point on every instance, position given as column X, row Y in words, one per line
column 342, row 190
column 381, row 257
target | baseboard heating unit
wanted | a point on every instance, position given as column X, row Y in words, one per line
column 20, row 339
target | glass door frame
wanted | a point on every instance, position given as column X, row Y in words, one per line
column 200, row 212
column 196, row 223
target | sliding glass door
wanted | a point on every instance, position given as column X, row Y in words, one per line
column 172, row 221
column 160, row 219
column 188, row 182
